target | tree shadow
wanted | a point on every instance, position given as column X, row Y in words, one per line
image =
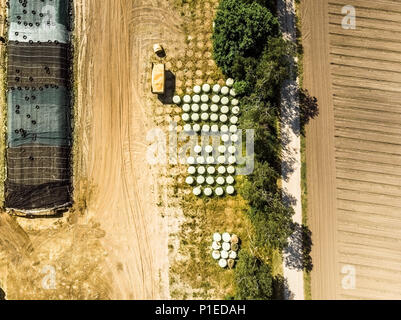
column 308, row 108
column 281, row 290
column 169, row 88
column 297, row 254
column 2, row 294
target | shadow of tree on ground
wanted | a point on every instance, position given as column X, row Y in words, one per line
column 297, row 254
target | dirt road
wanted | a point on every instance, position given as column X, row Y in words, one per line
column 115, row 40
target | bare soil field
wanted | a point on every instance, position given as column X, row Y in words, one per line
column 355, row 148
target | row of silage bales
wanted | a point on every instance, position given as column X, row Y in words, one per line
column 39, row 114
column 212, row 109
column 225, row 249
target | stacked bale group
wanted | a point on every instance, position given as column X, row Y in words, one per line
column 39, row 105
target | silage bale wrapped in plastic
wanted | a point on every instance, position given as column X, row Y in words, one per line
column 214, row 108
column 223, row 263
column 234, row 138
column 225, row 100
column 216, row 245
column 225, row 90
column 221, row 159
column 221, row 169
column 225, row 109
column 233, row 93
column 232, row 149
column 217, row 237
column 200, row 180
column 186, row 107
column 226, row 237
column 234, row 102
column 216, row 88
column 219, row 191
column 191, row 170
column 216, row 98
column 197, row 89
column 232, row 255
column 224, row 128
column 222, row 149
column 204, row 107
column 234, row 119
column 225, row 138
column 190, row 180
column 209, row 149
column 195, row 107
column 195, row 117
column 232, row 159
column 214, row 128
column 210, row 160
column 211, row 170
column 187, row 99
column 185, row 117
column 196, row 127
column 205, row 128
column 233, row 128
column 206, row 88
column 208, row 192
column 224, row 254
column 210, row 180
column 230, row 190
column 214, row 117
column 196, row 98
column 216, row 254
column 177, row 100
column 235, row 110
column 220, row 181
column 226, row 246
column 204, row 98
column 223, row 118
column 187, row 128
column 230, row 180
column 197, row 191
column 230, row 82
column 200, row 160
column 201, row 170
column 190, row 160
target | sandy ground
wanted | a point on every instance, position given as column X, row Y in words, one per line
column 291, row 142
column 320, row 150
column 355, row 147
column 115, row 41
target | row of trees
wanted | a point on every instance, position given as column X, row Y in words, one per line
column 248, row 46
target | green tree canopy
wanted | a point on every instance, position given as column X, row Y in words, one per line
column 253, row 278
column 242, row 28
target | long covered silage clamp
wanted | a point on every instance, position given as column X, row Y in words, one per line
column 39, row 106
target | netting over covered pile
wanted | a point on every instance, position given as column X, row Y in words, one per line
column 39, row 108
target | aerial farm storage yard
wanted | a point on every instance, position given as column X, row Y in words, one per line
column 199, row 149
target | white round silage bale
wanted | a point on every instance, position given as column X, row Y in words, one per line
column 230, row 82
column 208, row 192
column 231, row 169
column 221, row 159
column 187, row 128
column 176, row 99
column 224, row 254
column 226, row 247
column 233, row 128
column 206, row 88
column 215, row 128
column 233, row 93
column 230, row 180
column 219, row 191
column 234, row 137
column 211, row 170
column 224, row 129
column 196, row 127
column 204, row 107
column 223, row 118
column 216, row 98
column 216, row 254
column 195, row 107
column 198, row 149
column 235, row 110
column 217, row 237
column 220, row 181
column 226, row 237
column 187, row 99
column 222, row 149
column 210, row 160
column 209, row 149
column 225, row 90
column 197, row 89
column 216, row 245
column 196, row 98
column 221, row 169
column 200, row 160
column 191, row 160
column 191, row 170
column 189, row 180
column 234, row 120
column 230, row 190
column 185, row 117
column 186, row 107
column 225, row 100
column 224, row 109
column 232, row 159
column 197, row 191
column 205, row 128
column 201, row 170
column 234, row 102
column 223, row 263
column 232, row 255
column 214, row 117
column 204, row 116
column 232, row 149
column 214, row 108
column 210, row 180
column 195, row 117
column 225, row 137
column 200, row 179
column 204, row 98
column 216, row 88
